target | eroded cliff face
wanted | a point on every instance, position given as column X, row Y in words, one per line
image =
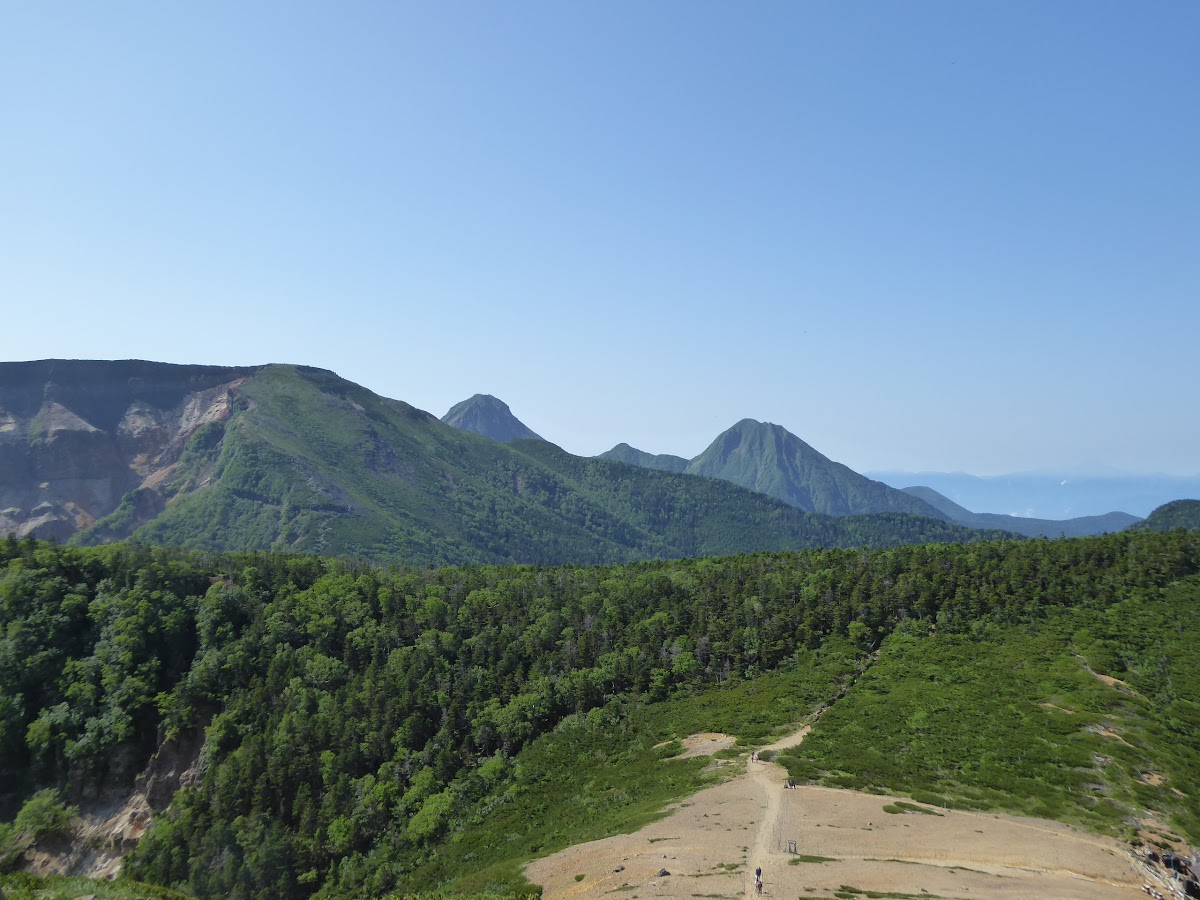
column 110, row 823
column 77, row 436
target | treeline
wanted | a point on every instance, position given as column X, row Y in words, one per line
column 358, row 715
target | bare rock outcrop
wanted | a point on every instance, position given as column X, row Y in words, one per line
column 110, row 824
column 78, row 438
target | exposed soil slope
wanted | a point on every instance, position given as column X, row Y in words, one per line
column 713, row 842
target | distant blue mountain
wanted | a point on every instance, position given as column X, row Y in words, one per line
column 1051, row 496
column 1077, row 526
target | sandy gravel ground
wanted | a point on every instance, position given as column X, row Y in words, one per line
column 704, row 744
column 712, row 843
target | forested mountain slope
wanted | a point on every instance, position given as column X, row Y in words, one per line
column 372, row 731
column 294, row 458
column 771, row 460
column 1176, row 514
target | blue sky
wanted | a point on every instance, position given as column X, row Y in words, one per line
column 925, row 236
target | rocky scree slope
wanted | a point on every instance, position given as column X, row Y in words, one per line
column 76, row 436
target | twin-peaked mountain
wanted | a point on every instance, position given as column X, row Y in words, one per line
column 767, row 458
column 758, row 456
column 294, row 458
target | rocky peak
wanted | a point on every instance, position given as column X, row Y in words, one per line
column 486, row 415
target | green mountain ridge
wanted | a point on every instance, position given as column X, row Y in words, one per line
column 663, row 462
column 293, row 458
column 768, row 459
column 1030, row 527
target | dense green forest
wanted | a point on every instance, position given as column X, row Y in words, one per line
column 361, row 720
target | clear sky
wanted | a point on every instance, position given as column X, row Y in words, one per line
column 926, row 236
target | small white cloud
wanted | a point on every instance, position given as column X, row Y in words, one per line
column 1063, row 482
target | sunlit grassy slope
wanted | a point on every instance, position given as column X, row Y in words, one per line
column 1017, row 718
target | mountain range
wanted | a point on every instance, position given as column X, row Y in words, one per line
column 307, row 726
column 295, row 458
column 767, row 458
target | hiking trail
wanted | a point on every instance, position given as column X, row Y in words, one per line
column 769, row 778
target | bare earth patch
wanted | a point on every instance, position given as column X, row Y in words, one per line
column 1061, row 709
column 712, row 846
column 109, row 828
column 705, row 744
column 1104, row 731
column 1117, row 683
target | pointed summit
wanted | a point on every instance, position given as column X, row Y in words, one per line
column 484, row 414
column 770, row 459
